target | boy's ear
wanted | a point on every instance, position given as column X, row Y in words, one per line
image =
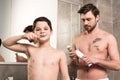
column 51, row 32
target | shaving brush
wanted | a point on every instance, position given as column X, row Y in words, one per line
column 69, row 48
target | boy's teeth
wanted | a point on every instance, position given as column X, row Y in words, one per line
column 42, row 35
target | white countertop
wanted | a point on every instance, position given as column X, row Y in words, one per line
column 13, row 63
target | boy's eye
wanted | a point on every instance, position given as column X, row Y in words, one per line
column 46, row 29
column 37, row 29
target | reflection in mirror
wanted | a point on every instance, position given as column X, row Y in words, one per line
column 1, row 58
column 5, row 12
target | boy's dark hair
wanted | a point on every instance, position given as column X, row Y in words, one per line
column 89, row 7
column 28, row 29
column 42, row 19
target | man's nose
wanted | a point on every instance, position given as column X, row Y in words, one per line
column 85, row 22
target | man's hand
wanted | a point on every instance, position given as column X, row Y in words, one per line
column 73, row 56
column 87, row 61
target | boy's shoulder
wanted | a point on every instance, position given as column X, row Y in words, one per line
column 58, row 51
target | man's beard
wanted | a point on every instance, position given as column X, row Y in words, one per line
column 89, row 28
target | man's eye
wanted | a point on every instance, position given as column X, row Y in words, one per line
column 88, row 19
column 83, row 20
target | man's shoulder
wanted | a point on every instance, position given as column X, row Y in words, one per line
column 109, row 36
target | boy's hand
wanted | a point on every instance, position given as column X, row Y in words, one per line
column 32, row 37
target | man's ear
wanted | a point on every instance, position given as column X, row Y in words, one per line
column 97, row 18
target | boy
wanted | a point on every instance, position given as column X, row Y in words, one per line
column 44, row 61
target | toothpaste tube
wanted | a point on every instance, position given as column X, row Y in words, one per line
column 80, row 55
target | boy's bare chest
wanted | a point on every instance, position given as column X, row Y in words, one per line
column 45, row 59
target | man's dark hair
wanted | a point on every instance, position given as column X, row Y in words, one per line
column 28, row 29
column 89, row 7
column 42, row 19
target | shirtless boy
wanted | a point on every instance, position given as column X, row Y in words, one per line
column 44, row 62
column 96, row 45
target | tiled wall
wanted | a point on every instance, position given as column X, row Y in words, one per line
column 116, row 20
column 68, row 27
column 68, row 23
column 116, row 29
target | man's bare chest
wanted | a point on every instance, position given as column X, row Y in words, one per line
column 92, row 44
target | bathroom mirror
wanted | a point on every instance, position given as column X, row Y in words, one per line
column 15, row 15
